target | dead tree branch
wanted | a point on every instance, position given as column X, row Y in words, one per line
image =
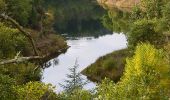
column 20, row 60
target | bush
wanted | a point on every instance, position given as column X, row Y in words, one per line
column 35, row 91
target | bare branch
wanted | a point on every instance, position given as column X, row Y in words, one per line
column 21, row 59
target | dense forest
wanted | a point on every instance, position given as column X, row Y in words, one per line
column 30, row 33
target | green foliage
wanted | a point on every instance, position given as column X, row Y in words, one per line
column 11, row 42
column 105, row 91
column 145, row 31
column 22, row 73
column 152, row 8
column 19, row 10
column 166, row 17
column 146, row 77
column 30, row 91
column 136, row 13
column 35, row 91
column 7, row 88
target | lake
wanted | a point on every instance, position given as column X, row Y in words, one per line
column 85, row 25
column 86, row 50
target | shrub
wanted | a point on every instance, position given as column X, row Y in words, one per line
column 35, row 91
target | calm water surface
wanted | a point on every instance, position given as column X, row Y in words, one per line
column 86, row 50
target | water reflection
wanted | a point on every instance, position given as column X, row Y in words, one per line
column 86, row 50
column 76, row 16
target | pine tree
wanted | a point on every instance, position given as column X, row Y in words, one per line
column 74, row 81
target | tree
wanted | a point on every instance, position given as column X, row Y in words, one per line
column 75, row 81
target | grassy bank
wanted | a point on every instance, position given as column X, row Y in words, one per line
column 110, row 66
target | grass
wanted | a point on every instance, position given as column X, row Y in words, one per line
column 110, row 66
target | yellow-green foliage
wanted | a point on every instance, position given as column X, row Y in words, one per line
column 35, row 91
column 146, row 77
